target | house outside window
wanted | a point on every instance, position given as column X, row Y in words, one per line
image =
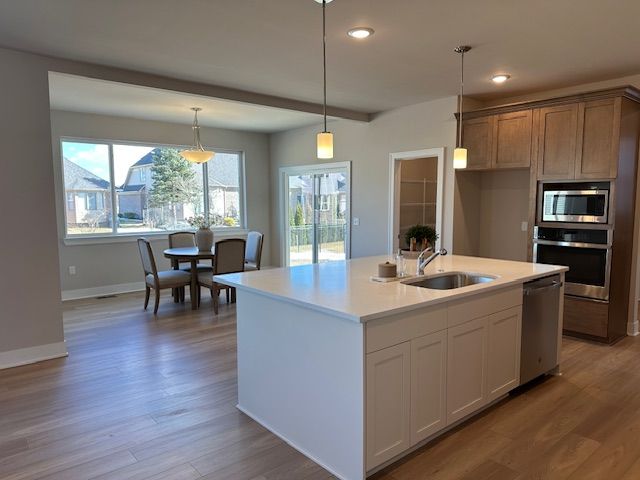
column 115, row 188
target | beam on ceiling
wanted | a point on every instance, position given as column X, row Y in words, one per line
column 115, row 74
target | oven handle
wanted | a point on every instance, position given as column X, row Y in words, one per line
column 573, row 244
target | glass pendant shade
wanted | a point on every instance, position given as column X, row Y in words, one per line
column 197, row 156
column 460, row 158
column 325, row 145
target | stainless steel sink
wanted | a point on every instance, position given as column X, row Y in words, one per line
column 448, row 281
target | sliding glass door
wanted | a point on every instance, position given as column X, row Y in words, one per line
column 316, row 211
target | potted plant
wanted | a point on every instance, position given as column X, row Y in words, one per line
column 204, row 234
column 425, row 236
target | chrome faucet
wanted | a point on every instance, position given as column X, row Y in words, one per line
column 422, row 264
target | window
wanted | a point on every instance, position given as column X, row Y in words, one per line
column 115, row 188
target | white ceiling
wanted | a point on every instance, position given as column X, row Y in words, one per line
column 274, row 47
column 80, row 94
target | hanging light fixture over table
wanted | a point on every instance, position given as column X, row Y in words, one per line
column 197, row 154
column 460, row 153
column 325, row 138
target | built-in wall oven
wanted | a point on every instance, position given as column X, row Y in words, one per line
column 579, row 204
column 587, row 253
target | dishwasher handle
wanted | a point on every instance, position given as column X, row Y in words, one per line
column 535, row 291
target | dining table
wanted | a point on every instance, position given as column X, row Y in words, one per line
column 193, row 255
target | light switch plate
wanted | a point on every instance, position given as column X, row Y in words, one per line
column 524, row 226
column 356, row 221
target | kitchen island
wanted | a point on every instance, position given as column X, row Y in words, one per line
column 355, row 374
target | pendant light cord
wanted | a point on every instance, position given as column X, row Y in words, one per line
column 324, row 63
column 462, row 49
column 460, row 100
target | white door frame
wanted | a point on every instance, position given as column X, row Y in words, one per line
column 283, row 201
column 394, row 191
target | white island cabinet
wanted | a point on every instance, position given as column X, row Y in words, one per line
column 356, row 374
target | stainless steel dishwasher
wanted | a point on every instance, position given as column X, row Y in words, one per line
column 539, row 346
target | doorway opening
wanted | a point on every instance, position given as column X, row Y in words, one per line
column 415, row 194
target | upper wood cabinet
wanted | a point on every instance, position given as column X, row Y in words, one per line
column 512, row 140
column 477, row 138
column 598, row 139
column 557, row 139
column 579, row 140
column 498, row 141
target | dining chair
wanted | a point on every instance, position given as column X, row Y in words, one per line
column 253, row 252
column 229, row 259
column 186, row 240
column 177, row 279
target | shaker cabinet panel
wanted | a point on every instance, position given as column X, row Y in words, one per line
column 428, row 385
column 466, row 368
column 512, row 139
column 503, row 369
column 388, row 394
column 557, row 138
column 477, row 138
column 598, row 139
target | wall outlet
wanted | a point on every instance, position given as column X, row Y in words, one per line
column 356, row 221
column 524, row 226
column 72, row 270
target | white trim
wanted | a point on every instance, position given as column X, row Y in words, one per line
column 283, row 195
column 633, row 328
column 257, row 419
column 221, row 232
column 394, row 191
column 25, row 356
column 102, row 290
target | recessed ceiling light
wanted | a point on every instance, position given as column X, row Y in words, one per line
column 360, row 32
column 500, row 78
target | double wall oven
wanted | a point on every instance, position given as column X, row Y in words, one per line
column 574, row 230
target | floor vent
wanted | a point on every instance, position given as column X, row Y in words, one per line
column 106, row 296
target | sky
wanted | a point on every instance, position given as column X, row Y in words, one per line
column 95, row 158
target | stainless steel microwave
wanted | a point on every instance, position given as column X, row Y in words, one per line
column 575, row 206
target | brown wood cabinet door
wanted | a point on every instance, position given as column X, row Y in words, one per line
column 598, row 139
column 557, row 140
column 512, row 140
column 477, row 136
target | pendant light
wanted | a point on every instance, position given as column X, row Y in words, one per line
column 325, row 138
column 197, row 154
column 460, row 153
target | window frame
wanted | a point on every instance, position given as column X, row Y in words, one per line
column 115, row 236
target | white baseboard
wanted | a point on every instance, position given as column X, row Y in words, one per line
column 293, row 444
column 633, row 329
column 24, row 356
column 104, row 290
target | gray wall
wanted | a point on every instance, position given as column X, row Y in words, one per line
column 30, row 307
column 106, row 264
column 367, row 146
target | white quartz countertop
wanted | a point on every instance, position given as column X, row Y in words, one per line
column 344, row 289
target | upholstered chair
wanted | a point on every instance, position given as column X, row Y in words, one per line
column 186, row 240
column 253, row 252
column 177, row 279
column 229, row 259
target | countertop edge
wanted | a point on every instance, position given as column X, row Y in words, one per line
column 485, row 287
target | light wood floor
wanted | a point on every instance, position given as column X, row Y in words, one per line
column 154, row 398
